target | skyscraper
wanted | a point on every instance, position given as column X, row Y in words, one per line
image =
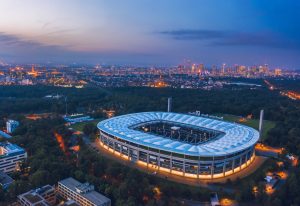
column 193, row 69
column 223, row 69
column 201, row 68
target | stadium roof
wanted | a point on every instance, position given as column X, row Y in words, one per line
column 235, row 137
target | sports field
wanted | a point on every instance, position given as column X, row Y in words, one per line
column 79, row 126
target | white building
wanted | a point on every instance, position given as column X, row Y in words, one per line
column 82, row 193
column 75, row 118
column 214, row 200
column 44, row 196
column 11, row 125
column 10, row 157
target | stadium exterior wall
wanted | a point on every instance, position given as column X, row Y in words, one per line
column 201, row 167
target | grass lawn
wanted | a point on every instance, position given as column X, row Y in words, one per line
column 79, row 126
column 254, row 123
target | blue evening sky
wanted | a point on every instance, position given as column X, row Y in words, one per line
column 149, row 32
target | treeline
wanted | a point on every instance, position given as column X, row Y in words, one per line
column 16, row 100
column 20, row 99
column 47, row 163
column 286, row 84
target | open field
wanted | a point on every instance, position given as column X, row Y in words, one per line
column 254, row 123
column 227, row 117
column 79, row 126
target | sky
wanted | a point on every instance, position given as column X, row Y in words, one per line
column 148, row 32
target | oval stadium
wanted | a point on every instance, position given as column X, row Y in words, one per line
column 181, row 144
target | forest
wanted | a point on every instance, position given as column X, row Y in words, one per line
column 126, row 186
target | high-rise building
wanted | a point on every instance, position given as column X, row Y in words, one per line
column 254, row 69
column 11, row 125
column 278, row 72
column 214, row 70
column 264, row 69
column 242, row 70
column 180, row 69
column 201, row 68
column 193, row 69
column 223, row 69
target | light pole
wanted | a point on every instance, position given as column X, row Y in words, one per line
column 66, row 98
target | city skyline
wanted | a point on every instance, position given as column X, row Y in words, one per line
column 144, row 33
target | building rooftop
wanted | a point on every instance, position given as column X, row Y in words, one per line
column 44, row 189
column 36, row 196
column 12, row 121
column 5, row 180
column 84, row 188
column 33, row 197
column 7, row 149
column 91, row 195
column 5, row 135
column 234, row 138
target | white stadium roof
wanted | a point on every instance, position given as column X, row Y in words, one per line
column 235, row 137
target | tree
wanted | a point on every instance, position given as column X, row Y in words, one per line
column 39, row 178
column 89, row 129
column 79, row 175
column 276, row 202
column 2, row 194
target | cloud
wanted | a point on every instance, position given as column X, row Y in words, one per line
column 234, row 38
column 14, row 46
column 188, row 34
column 56, row 32
column 17, row 49
column 12, row 41
column 45, row 25
column 8, row 40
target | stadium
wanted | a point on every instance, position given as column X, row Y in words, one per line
column 181, row 144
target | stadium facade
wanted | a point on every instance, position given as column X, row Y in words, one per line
column 185, row 145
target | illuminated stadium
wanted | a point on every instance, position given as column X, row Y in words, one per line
column 181, row 144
